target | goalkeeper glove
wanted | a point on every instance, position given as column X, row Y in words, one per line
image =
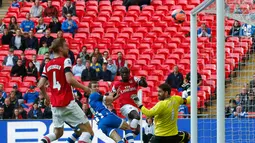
column 137, row 100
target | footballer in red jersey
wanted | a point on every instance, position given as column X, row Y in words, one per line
column 64, row 108
column 127, row 87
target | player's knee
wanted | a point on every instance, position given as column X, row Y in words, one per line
column 134, row 115
column 58, row 132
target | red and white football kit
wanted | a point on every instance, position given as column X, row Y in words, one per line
column 64, row 107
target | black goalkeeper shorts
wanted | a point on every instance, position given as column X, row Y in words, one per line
column 181, row 137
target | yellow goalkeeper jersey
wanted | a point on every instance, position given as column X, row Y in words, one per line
column 165, row 115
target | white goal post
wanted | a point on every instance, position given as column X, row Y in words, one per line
column 220, row 13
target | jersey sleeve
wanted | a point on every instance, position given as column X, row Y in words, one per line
column 67, row 63
column 44, row 74
column 114, row 88
column 155, row 110
column 95, row 97
column 178, row 99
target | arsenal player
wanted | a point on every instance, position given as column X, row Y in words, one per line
column 127, row 87
column 64, row 108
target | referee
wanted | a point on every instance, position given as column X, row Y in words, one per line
column 165, row 113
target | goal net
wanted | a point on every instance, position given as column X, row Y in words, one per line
column 239, row 72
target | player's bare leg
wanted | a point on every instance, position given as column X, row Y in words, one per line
column 116, row 137
column 58, row 132
column 86, row 133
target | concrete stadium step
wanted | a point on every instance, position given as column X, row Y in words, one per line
column 4, row 8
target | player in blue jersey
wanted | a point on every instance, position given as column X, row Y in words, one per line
column 107, row 121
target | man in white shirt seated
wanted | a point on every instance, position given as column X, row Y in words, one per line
column 10, row 59
column 35, row 62
column 78, row 68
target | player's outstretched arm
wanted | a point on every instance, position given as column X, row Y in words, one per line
column 41, row 85
column 155, row 110
column 74, row 83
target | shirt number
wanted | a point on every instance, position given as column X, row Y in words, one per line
column 172, row 113
column 56, row 84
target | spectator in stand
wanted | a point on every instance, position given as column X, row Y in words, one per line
column 18, row 70
column 13, row 99
column 69, row 25
column 32, row 70
column 2, row 89
column 86, row 110
column 27, row 24
column 22, row 112
column 204, row 31
column 35, row 62
column 46, row 60
column 68, row 8
column 16, row 114
column 44, row 49
column 18, row 42
column 105, row 57
column 17, row 93
column 175, row 79
column 46, row 38
column 2, row 116
column 239, row 113
column 105, row 74
column 96, row 66
column 36, row 10
column 149, row 130
column 231, row 108
column 32, row 41
column 247, row 30
column 7, row 37
column 50, row 11
column 47, row 114
column 84, row 55
column 120, row 62
column 40, row 101
column 31, row 95
column 199, row 78
column 8, row 108
column 10, row 59
column 71, row 56
column 252, row 82
column 98, row 55
column 244, row 99
column 112, row 67
column 15, row 3
column 89, row 73
column 2, row 26
column 235, row 30
column 41, row 27
column 55, row 25
column 111, row 108
column 60, row 34
column 237, row 10
column 24, row 59
column 78, row 68
column 13, row 25
column 35, row 112
column 1, row 98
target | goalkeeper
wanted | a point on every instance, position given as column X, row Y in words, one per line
column 165, row 113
